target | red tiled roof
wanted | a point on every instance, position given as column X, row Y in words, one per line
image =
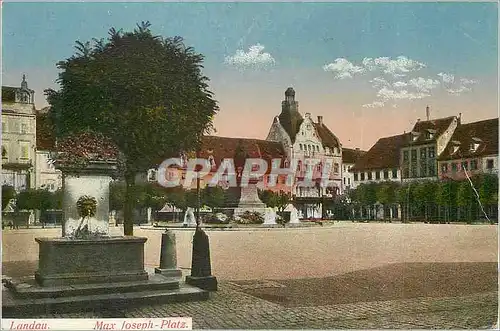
column 45, row 139
column 350, row 155
column 225, row 147
column 437, row 127
column 328, row 139
column 384, row 154
column 487, row 133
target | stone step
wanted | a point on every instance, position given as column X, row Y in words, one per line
column 16, row 307
column 28, row 289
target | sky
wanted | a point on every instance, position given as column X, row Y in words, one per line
column 370, row 69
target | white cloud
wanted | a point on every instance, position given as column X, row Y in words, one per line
column 254, row 58
column 379, row 82
column 423, row 85
column 399, row 84
column 466, row 81
column 388, row 94
column 459, row 90
column 397, row 67
column 447, row 78
column 343, row 68
column 374, row 104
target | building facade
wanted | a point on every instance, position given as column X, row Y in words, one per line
column 349, row 158
column 423, row 145
column 380, row 163
column 18, row 136
column 308, row 141
column 472, row 150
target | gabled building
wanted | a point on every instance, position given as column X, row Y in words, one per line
column 380, row 163
column 423, row 145
column 18, row 136
column 305, row 140
column 473, row 147
column 349, row 158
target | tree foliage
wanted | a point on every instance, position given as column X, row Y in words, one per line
column 145, row 92
column 8, row 193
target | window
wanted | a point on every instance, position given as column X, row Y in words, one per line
column 356, row 177
column 4, row 126
column 4, row 152
column 24, row 128
column 432, row 152
column 348, row 181
column 336, row 168
column 370, row 175
column 405, row 155
column 394, row 173
column 473, row 164
column 344, row 180
column 25, row 151
column 489, row 164
column 300, row 145
column 453, row 167
column 377, row 174
column 386, row 174
column 362, row 176
column 444, row 168
column 465, row 165
column 413, row 154
column 423, row 153
column 432, row 169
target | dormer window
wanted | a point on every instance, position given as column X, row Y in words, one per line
column 414, row 136
column 430, row 134
column 475, row 144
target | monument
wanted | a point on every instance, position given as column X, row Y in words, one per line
column 250, row 201
column 270, row 217
column 189, row 219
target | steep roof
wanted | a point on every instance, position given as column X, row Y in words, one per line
column 437, row 127
column 485, row 133
column 328, row 139
column 384, row 154
column 225, row 147
column 291, row 121
column 351, row 156
column 45, row 138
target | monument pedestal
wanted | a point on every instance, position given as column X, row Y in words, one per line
column 250, row 201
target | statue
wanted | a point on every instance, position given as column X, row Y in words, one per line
column 189, row 218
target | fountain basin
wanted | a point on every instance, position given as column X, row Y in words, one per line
column 64, row 261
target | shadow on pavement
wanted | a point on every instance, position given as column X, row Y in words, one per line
column 391, row 282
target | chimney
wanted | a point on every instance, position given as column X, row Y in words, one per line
column 459, row 118
column 320, row 120
column 418, row 120
column 428, row 112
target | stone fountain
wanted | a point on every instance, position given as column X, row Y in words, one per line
column 86, row 268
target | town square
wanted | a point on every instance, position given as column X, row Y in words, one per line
column 158, row 172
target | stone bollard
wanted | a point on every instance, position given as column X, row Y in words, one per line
column 201, row 269
column 168, row 256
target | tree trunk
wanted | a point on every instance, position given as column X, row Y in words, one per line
column 128, row 212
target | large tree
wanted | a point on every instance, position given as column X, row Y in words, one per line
column 145, row 92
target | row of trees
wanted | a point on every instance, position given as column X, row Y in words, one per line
column 31, row 199
column 427, row 200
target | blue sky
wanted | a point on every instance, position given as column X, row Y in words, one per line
column 297, row 43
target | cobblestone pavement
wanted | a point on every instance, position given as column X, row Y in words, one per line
column 229, row 308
